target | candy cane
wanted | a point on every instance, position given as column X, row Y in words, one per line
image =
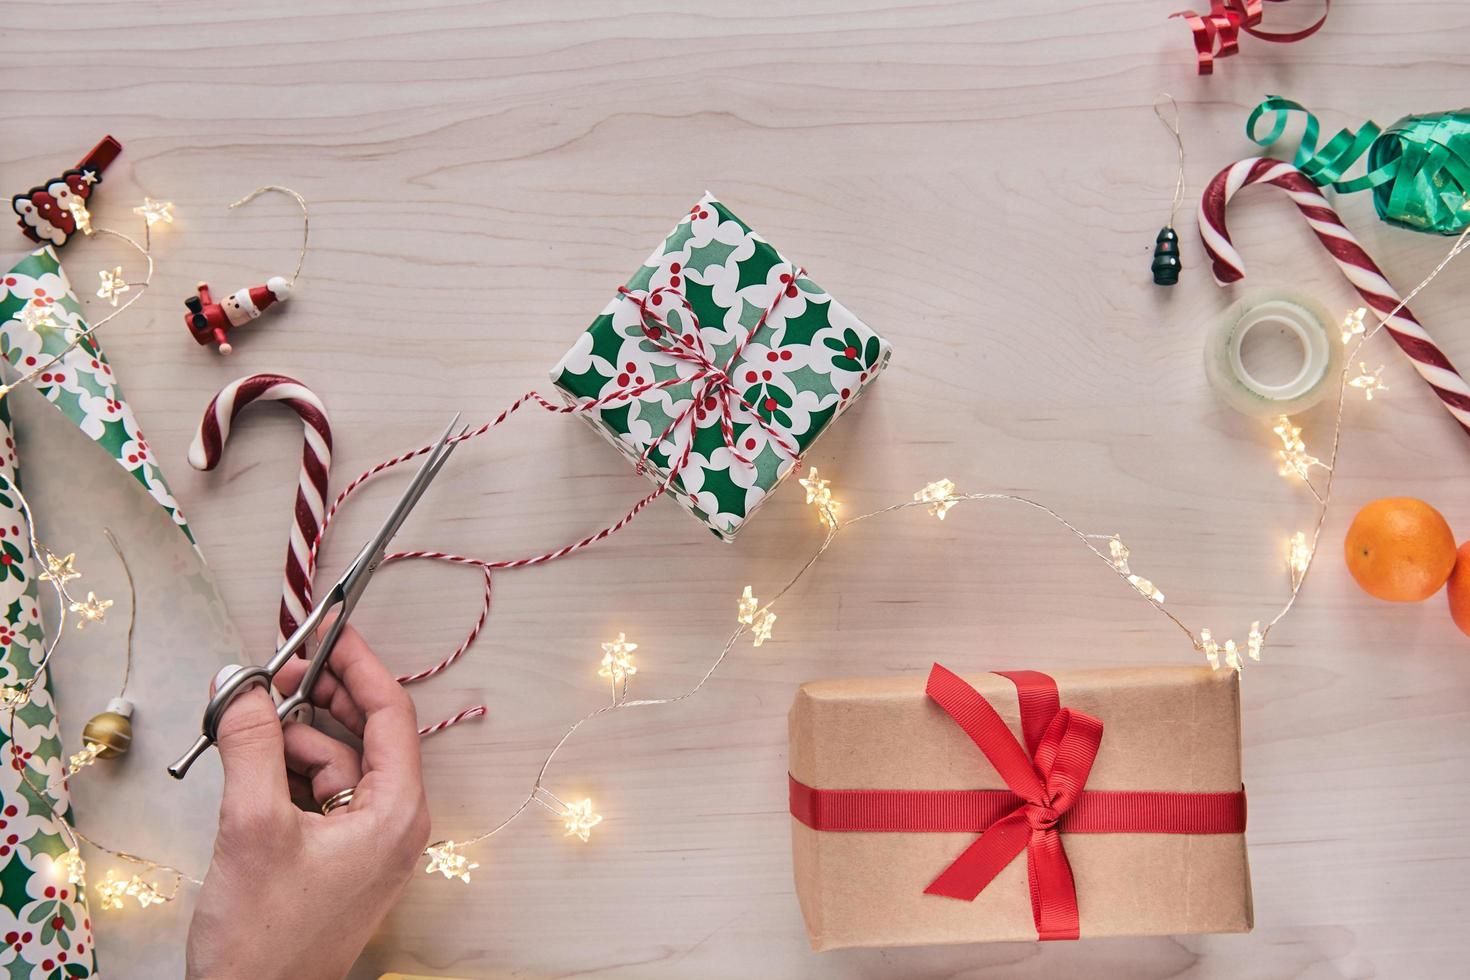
column 1431, row 363
column 311, row 488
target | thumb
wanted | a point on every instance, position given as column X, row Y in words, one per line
column 252, row 751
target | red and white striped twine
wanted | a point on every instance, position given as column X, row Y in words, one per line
column 1361, row 271
column 478, row 711
column 207, row 449
column 704, row 368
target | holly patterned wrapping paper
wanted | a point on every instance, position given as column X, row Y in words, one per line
column 803, row 367
column 43, row 916
column 81, row 385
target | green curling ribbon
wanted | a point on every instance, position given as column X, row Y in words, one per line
column 1418, row 168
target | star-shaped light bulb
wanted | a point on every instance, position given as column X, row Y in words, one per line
column 110, row 891
column 1352, row 324
column 1147, row 588
column 1254, row 641
column 819, row 492
column 1118, row 552
column 579, row 819
column 146, row 892
column 745, row 611
column 1207, row 645
column 1295, row 460
column 760, row 627
column 14, row 697
column 1369, row 382
column 617, row 660
column 446, row 858
column 82, row 216
column 939, row 495
column 72, row 865
column 94, row 610
column 113, row 284
column 155, row 211
column 83, row 758
column 1298, row 556
column 60, row 570
column 816, row 488
column 39, row 314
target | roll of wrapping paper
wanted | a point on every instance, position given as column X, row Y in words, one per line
column 1418, row 168
column 38, row 903
column 81, row 385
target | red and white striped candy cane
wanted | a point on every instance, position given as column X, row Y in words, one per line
column 1431, row 363
column 311, row 488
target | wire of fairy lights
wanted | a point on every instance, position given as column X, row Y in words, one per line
column 60, row 570
column 112, row 889
column 449, row 857
column 39, row 313
column 619, row 663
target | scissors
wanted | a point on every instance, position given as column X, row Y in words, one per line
column 343, row 597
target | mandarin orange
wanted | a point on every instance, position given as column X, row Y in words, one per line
column 1400, row 549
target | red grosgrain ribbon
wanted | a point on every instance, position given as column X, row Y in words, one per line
column 712, row 387
column 1046, row 799
column 1217, row 33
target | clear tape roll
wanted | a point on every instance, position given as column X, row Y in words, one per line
column 1301, row 318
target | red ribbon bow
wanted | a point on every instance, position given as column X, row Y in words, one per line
column 711, row 385
column 1048, row 775
column 1047, row 797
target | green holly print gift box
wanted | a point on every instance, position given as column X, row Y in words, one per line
column 718, row 315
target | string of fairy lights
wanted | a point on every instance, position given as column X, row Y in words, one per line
column 756, row 619
column 59, row 571
column 451, row 859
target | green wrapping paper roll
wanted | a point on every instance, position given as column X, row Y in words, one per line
column 1418, row 168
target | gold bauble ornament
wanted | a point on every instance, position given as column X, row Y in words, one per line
column 112, row 729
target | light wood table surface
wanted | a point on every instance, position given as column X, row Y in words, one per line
column 982, row 183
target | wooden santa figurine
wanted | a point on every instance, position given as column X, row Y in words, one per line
column 210, row 322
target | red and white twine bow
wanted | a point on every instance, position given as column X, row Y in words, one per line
column 713, row 389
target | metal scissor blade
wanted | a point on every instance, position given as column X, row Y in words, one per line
column 354, row 580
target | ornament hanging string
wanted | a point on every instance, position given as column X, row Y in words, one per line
column 1173, row 128
column 1166, row 265
column 305, row 219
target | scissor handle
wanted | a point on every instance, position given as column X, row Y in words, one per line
column 232, row 687
column 297, row 707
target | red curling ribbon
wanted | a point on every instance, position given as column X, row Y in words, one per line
column 1217, row 33
column 1046, row 799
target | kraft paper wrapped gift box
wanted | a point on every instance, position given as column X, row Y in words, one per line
column 716, row 301
column 868, row 755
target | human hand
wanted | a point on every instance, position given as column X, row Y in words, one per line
column 291, row 893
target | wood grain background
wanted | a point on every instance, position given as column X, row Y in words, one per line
column 982, row 183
